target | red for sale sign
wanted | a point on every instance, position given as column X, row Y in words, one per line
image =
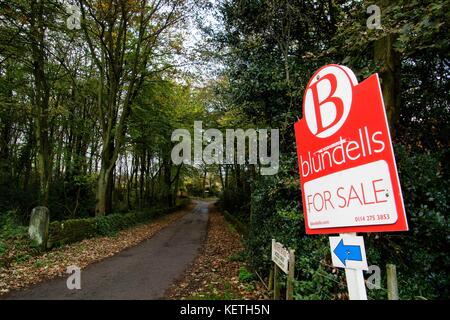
column 348, row 174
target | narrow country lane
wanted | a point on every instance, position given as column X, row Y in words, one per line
column 141, row 272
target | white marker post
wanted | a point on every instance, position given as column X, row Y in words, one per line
column 355, row 279
column 348, row 252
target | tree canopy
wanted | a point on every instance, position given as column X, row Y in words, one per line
column 92, row 90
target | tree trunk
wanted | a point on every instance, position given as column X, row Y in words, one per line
column 204, row 184
column 104, row 183
column 222, row 183
column 167, row 182
column 41, row 99
column 100, row 207
column 110, row 191
column 389, row 62
column 141, row 182
column 5, row 135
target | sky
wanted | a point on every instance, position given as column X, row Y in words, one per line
column 194, row 40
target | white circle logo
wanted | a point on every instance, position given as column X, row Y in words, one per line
column 328, row 99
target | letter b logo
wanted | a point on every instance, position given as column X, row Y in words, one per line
column 328, row 99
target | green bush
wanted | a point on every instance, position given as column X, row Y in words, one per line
column 236, row 223
column 245, row 275
column 73, row 230
column 10, row 226
column 235, row 201
column 111, row 224
column 14, row 242
column 421, row 254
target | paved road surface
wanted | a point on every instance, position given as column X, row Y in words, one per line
column 141, row 272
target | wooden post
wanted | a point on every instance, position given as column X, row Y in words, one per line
column 276, row 284
column 392, row 286
column 290, row 276
column 271, row 279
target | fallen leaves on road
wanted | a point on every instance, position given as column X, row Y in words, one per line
column 214, row 274
column 54, row 263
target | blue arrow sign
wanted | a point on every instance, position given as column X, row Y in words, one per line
column 347, row 252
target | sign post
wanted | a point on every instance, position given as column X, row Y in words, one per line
column 284, row 260
column 276, row 284
column 290, row 276
column 355, row 284
column 351, row 253
column 348, row 174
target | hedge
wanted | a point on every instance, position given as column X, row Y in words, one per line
column 73, row 230
column 236, row 223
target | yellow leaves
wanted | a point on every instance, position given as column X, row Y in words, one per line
column 176, row 44
column 103, row 5
column 110, row 6
column 59, row 110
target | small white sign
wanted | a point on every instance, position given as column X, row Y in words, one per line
column 280, row 255
column 348, row 252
